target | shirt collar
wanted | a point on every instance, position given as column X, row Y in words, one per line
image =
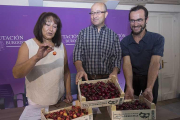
column 102, row 28
column 144, row 39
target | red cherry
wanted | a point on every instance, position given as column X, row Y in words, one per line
column 54, row 53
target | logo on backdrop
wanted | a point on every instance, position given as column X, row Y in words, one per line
column 16, row 41
column 121, row 36
column 10, row 41
column 2, row 46
column 71, row 39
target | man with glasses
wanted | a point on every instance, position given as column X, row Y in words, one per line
column 141, row 52
column 97, row 53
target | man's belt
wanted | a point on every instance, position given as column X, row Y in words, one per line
column 98, row 76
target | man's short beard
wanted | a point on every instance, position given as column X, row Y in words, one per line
column 137, row 33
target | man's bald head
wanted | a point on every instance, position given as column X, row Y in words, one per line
column 100, row 4
column 98, row 14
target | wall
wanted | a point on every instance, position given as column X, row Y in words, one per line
column 150, row 7
column 179, row 54
column 17, row 26
column 14, row 2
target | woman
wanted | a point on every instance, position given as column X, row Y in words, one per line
column 43, row 62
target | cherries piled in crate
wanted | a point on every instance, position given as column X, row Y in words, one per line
column 64, row 114
column 99, row 91
column 133, row 105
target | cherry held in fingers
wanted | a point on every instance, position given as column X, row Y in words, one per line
column 54, row 53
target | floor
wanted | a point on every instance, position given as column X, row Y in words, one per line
column 168, row 109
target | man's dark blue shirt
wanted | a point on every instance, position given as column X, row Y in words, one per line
column 140, row 54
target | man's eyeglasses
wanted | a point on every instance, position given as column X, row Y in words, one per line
column 97, row 13
column 138, row 21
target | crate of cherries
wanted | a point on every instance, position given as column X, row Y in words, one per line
column 132, row 105
column 68, row 113
column 140, row 109
column 99, row 93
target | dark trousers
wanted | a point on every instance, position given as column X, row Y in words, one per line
column 140, row 84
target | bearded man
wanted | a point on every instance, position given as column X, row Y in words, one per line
column 141, row 52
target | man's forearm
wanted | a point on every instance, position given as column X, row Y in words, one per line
column 152, row 74
column 127, row 69
column 78, row 65
column 115, row 70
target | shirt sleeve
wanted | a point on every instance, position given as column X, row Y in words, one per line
column 125, row 50
column 78, row 49
column 158, row 48
column 117, row 53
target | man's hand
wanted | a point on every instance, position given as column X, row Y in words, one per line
column 68, row 98
column 129, row 93
column 148, row 94
column 81, row 74
column 113, row 74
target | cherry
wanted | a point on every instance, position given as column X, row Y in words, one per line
column 99, row 91
column 134, row 105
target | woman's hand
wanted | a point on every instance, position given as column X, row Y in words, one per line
column 68, row 98
column 43, row 50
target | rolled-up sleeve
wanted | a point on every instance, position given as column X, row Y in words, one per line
column 78, row 49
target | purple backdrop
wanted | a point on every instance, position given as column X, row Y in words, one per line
column 17, row 25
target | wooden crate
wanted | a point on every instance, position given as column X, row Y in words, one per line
column 146, row 114
column 100, row 103
column 85, row 117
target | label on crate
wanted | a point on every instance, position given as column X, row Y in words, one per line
column 121, row 101
column 90, row 117
column 113, row 102
column 120, row 116
column 142, row 115
column 87, row 117
column 153, row 114
column 100, row 103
